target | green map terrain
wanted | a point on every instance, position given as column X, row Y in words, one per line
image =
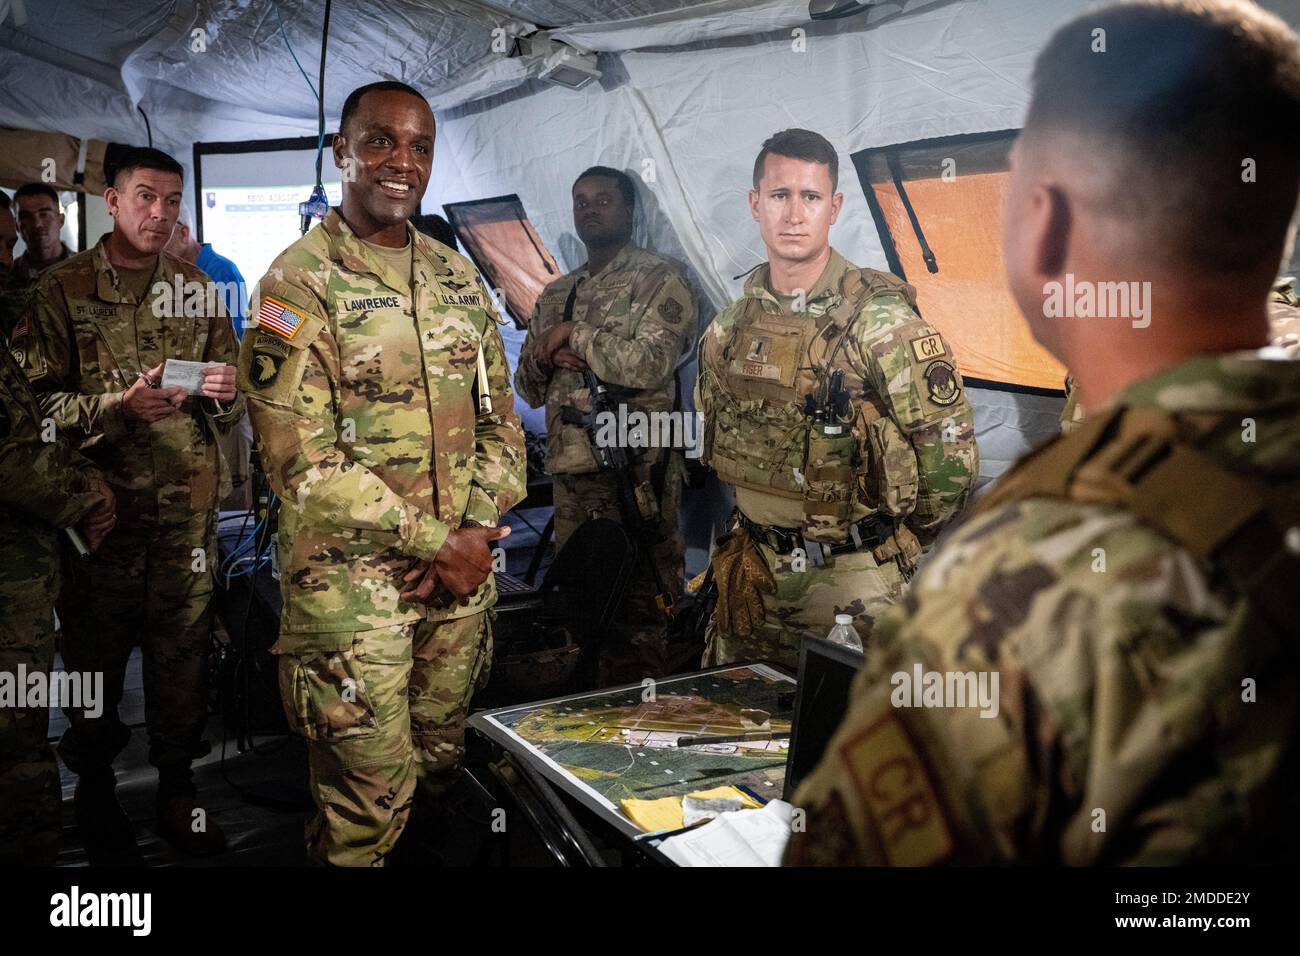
column 624, row 747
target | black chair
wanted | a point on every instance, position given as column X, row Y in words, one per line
column 585, row 586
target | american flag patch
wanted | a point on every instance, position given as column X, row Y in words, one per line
column 279, row 318
column 19, row 330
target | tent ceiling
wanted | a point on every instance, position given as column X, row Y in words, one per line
column 115, row 56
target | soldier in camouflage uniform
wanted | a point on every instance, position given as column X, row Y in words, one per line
column 835, row 503
column 1131, row 585
column 368, row 377
column 44, row 486
column 40, row 219
column 628, row 315
column 95, row 334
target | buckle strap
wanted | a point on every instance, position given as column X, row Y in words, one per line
column 864, row 535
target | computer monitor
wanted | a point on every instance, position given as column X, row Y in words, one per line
column 826, row 673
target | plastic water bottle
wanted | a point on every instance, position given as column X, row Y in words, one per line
column 844, row 634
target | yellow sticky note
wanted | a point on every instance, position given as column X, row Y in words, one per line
column 666, row 812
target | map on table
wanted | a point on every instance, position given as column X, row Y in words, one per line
column 622, row 744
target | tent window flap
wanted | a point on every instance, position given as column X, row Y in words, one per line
column 937, row 205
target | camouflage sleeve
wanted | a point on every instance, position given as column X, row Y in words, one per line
column 289, row 387
column 913, row 369
column 532, row 378
column 45, row 479
column 500, row 463
column 223, row 347
column 52, row 364
column 910, row 779
column 659, row 336
column 1060, row 686
column 709, row 356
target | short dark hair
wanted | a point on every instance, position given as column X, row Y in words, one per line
column 37, row 189
column 625, row 185
column 140, row 157
column 353, row 102
column 801, row 144
column 1174, row 97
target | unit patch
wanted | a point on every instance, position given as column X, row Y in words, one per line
column 941, row 383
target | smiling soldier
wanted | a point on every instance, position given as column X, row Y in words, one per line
column 367, row 376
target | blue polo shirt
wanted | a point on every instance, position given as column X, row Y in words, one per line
column 221, row 269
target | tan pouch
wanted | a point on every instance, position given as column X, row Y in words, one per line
column 828, row 484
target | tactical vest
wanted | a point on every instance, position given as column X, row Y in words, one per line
column 760, row 436
column 1140, row 460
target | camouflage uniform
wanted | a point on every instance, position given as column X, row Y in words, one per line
column 42, row 489
column 912, row 455
column 22, row 277
column 633, row 320
column 86, row 339
column 1123, row 735
column 1071, row 411
column 363, row 404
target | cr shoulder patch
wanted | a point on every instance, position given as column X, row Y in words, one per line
column 941, row 383
column 282, row 319
column 269, row 354
column 892, row 781
column 928, row 347
column 670, row 310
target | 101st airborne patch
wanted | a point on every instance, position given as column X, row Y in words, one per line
column 269, row 353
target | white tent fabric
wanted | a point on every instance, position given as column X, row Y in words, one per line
column 689, row 91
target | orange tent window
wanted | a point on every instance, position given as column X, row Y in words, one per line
column 959, row 212
column 501, row 240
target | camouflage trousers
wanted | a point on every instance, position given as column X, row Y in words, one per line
column 145, row 587
column 637, row 648
column 30, row 798
column 806, row 600
column 380, row 716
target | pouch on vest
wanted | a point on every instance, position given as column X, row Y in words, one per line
column 828, row 483
column 890, row 481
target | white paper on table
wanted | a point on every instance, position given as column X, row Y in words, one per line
column 743, row 838
column 186, row 375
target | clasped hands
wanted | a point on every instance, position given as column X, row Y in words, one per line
column 553, row 348
column 457, row 571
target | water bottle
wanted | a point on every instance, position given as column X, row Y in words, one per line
column 844, row 634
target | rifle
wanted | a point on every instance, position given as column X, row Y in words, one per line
column 637, row 503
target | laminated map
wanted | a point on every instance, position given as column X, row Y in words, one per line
column 621, row 744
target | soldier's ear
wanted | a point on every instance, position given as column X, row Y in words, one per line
column 837, row 203
column 340, row 141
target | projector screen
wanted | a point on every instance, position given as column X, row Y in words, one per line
column 247, row 197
